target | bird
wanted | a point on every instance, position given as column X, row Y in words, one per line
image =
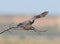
column 27, row 25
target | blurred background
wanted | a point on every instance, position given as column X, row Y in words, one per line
column 13, row 12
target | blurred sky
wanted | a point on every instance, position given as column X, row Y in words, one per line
column 29, row 6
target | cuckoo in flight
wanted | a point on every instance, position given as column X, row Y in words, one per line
column 27, row 25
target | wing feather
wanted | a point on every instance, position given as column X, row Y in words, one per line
column 41, row 15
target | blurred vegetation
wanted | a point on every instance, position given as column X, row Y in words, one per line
column 52, row 36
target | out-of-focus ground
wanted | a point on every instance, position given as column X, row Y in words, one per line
column 50, row 23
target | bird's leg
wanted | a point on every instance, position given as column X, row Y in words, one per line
column 37, row 30
column 33, row 28
column 43, row 30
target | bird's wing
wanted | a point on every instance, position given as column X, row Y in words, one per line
column 31, row 21
column 6, row 30
column 13, row 28
column 41, row 15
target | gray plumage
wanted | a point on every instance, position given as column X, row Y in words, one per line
column 27, row 25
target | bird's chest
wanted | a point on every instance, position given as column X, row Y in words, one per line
column 26, row 27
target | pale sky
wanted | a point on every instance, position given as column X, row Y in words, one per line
column 29, row 6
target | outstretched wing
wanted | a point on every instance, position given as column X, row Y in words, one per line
column 8, row 29
column 41, row 15
column 31, row 21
